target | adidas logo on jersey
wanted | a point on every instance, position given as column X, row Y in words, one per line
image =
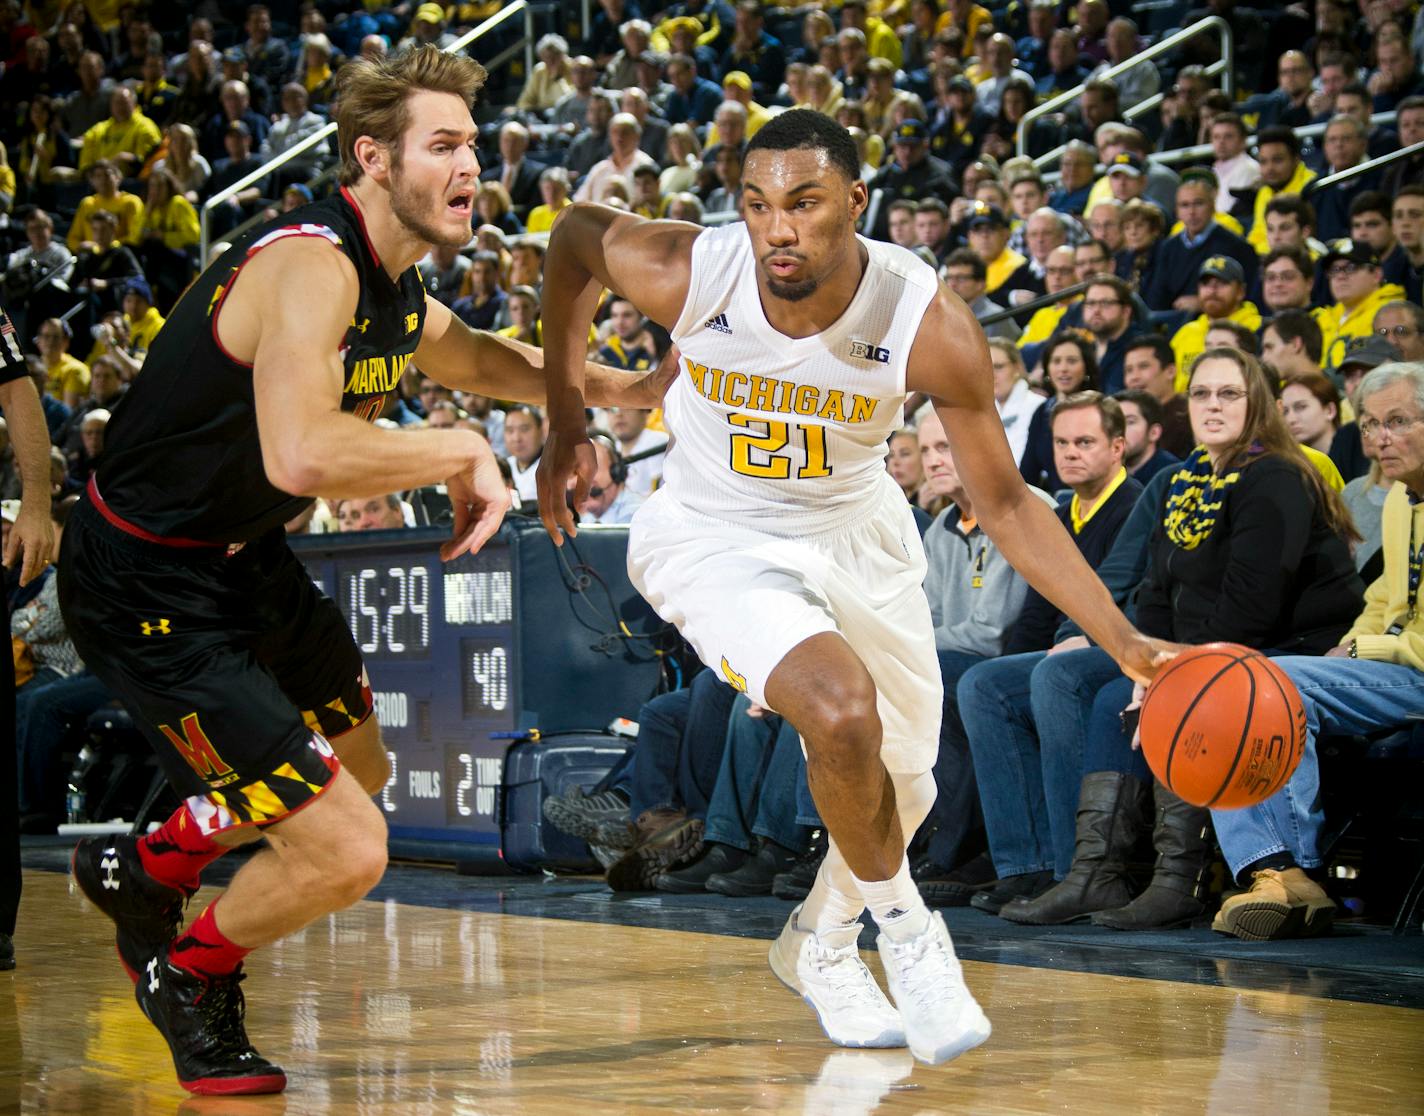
column 719, row 323
column 863, row 350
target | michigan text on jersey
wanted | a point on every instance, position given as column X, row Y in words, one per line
column 763, row 393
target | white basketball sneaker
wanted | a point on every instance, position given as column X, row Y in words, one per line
column 942, row 1019
column 831, row 977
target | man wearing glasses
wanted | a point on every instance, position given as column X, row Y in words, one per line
column 1107, row 311
column 1372, row 681
column 1402, row 325
column 1358, row 288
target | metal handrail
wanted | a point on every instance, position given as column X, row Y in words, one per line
column 1139, row 109
column 1050, row 299
column 1325, row 181
column 1156, row 50
column 311, row 141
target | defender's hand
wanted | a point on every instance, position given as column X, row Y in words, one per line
column 649, row 391
column 479, row 500
column 568, row 455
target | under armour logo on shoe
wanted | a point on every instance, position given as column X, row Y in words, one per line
column 719, row 323
column 152, row 969
column 110, row 864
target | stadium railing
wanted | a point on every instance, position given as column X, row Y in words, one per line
column 1225, row 66
column 525, row 43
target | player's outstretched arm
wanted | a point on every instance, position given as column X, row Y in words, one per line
column 950, row 362
column 502, row 368
column 592, row 247
column 288, row 314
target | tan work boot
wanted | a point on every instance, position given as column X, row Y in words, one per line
column 1282, row 903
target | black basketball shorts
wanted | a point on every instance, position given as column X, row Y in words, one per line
column 236, row 667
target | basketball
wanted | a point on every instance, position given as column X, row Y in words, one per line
column 1222, row 726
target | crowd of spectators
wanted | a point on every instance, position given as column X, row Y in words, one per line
column 1137, row 221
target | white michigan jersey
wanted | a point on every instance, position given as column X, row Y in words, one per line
column 787, row 435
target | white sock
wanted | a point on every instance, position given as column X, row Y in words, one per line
column 829, row 913
column 896, row 904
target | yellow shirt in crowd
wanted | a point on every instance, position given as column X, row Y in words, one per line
column 1190, row 341
column 127, row 207
column 1339, row 323
column 143, row 331
column 69, row 376
column 176, row 221
column 138, row 135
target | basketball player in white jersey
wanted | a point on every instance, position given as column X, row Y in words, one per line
column 782, row 549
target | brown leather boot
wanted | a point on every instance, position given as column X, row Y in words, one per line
column 1112, row 811
column 1182, row 837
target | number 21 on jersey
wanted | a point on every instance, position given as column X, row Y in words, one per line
column 759, row 453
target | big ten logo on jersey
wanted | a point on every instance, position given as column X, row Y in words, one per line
column 863, row 350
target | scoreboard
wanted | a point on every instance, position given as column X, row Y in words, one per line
column 465, row 655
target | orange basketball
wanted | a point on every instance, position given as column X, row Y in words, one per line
column 1222, row 726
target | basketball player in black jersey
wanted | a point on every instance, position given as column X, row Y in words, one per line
column 179, row 589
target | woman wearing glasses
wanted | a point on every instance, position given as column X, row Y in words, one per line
column 1252, row 547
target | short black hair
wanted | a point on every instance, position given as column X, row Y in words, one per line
column 967, row 257
column 1160, row 346
column 1290, row 324
column 1372, row 201
column 795, row 129
column 1279, row 133
column 1144, row 401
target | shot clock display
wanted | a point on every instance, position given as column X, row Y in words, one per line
column 462, row 655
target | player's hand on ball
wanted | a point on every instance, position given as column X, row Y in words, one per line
column 567, row 457
column 1142, row 657
column 479, row 500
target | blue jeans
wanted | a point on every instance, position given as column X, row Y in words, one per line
column 1062, row 691
column 998, row 720
column 756, row 786
column 1341, row 696
column 34, row 772
column 955, row 815
column 679, row 750
column 1107, row 747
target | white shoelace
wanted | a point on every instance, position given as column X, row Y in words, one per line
column 847, row 976
column 930, row 970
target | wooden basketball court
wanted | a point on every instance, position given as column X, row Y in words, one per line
column 404, row 1008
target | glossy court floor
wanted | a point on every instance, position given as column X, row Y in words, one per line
column 449, row 994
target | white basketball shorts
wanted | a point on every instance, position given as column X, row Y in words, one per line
column 744, row 599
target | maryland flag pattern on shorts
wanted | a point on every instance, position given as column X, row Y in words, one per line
column 271, row 798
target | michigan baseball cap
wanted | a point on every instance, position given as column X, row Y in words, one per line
column 1129, row 163
column 911, row 131
column 1222, row 267
column 1356, row 251
column 986, row 213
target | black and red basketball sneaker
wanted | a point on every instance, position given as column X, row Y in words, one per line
column 201, row 1019
column 147, row 913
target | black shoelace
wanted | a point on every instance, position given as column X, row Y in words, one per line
column 223, row 1008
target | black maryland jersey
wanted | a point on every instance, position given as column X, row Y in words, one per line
column 181, row 454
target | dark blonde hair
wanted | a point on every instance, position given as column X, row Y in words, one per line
column 1266, row 433
column 373, row 97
